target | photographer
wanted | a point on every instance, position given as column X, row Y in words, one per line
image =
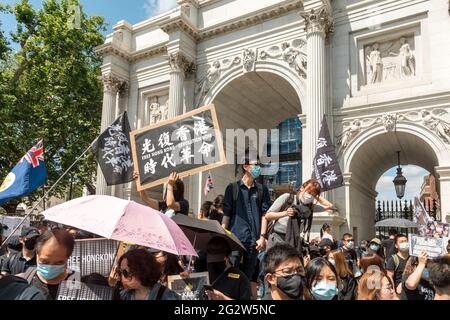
column 26, row 258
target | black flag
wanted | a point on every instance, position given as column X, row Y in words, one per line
column 326, row 168
column 113, row 152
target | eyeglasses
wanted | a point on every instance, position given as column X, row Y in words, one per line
column 289, row 272
column 125, row 273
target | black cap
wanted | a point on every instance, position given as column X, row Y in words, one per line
column 29, row 232
column 326, row 242
column 14, row 243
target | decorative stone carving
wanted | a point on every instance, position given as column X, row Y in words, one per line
column 349, row 133
column 389, row 121
column 179, row 63
column 390, row 60
column 436, row 123
column 290, row 53
column 111, row 83
column 157, row 112
column 211, row 76
column 432, row 119
column 249, row 60
column 318, row 20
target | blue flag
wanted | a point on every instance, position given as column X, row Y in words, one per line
column 28, row 175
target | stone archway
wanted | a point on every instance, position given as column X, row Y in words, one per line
column 260, row 99
column 372, row 153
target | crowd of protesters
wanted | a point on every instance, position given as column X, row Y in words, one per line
column 280, row 262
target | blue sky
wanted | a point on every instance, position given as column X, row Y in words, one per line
column 133, row 11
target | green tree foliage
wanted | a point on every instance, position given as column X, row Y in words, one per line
column 50, row 90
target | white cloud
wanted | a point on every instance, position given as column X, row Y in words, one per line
column 156, row 7
column 414, row 175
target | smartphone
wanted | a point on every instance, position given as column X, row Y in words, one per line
column 208, row 287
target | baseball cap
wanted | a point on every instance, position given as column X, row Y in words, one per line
column 326, row 242
column 376, row 240
column 29, row 232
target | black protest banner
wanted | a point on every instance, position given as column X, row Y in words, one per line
column 113, row 152
column 93, row 256
column 71, row 290
column 435, row 247
column 189, row 288
column 326, row 168
column 187, row 144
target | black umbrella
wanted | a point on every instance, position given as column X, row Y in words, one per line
column 199, row 232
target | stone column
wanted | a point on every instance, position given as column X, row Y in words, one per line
column 443, row 174
column 110, row 89
column 317, row 26
column 180, row 67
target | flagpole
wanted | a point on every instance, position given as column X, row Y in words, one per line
column 46, row 194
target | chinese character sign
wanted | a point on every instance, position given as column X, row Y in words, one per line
column 187, row 144
column 326, row 168
column 113, row 152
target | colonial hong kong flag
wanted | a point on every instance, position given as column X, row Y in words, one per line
column 209, row 185
column 28, row 175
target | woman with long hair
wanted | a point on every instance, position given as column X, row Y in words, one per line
column 321, row 280
column 347, row 284
column 371, row 261
column 169, row 263
column 287, row 207
column 325, row 232
column 376, row 285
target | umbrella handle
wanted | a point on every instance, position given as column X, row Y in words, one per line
column 190, row 257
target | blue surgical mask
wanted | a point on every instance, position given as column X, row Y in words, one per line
column 255, row 171
column 49, row 272
column 425, row 274
column 324, row 291
column 374, row 247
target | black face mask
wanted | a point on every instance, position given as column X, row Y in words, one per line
column 292, row 286
column 30, row 243
column 215, row 269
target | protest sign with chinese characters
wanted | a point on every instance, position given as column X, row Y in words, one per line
column 435, row 247
column 187, row 144
column 189, row 288
column 326, row 168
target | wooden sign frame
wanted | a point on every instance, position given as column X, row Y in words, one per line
column 222, row 160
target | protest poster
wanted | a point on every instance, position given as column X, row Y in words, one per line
column 190, row 288
column 188, row 144
column 68, row 290
column 93, row 256
column 438, row 229
column 421, row 217
column 11, row 223
column 433, row 246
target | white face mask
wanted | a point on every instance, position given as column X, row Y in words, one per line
column 307, row 198
column 404, row 246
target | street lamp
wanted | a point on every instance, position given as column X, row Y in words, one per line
column 399, row 180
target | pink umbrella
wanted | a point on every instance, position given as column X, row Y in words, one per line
column 122, row 220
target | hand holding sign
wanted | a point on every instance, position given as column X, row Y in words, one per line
column 423, row 257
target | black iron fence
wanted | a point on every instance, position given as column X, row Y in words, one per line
column 403, row 210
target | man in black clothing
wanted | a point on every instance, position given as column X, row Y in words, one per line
column 348, row 250
column 389, row 244
column 228, row 282
column 396, row 263
column 21, row 261
column 245, row 204
column 53, row 249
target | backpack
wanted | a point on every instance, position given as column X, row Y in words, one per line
column 236, row 192
column 11, row 287
column 287, row 204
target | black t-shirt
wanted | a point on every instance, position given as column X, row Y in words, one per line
column 390, row 247
column 234, row 284
column 184, row 206
column 398, row 272
column 16, row 264
column 424, row 291
column 49, row 291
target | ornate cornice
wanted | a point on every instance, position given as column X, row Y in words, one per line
column 179, row 23
column 111, row 49
column 318, row 20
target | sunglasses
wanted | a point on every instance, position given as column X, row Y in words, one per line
column 124, row 273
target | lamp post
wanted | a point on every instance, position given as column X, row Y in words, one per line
column 399, row 180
